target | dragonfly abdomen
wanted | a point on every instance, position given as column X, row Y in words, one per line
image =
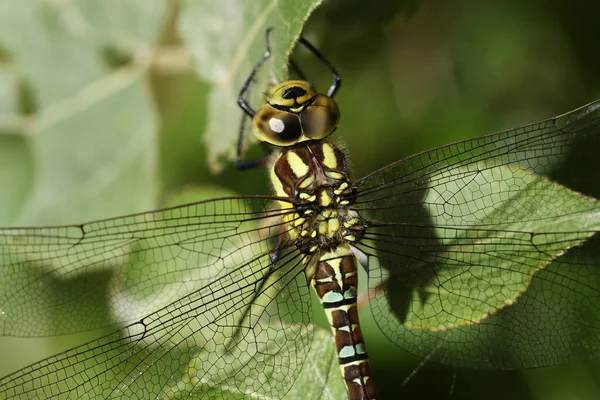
column 336, row 282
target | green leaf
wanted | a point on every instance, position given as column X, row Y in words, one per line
column 8, row 93
column 225, row 58
column 481, row 271
column 16, row 164
column 320, row 377
column 16, row 173
column 88, row 150
column 192, row 194
column 58, row 45
column 93, row 156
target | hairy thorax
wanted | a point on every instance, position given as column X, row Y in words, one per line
column 313, row 175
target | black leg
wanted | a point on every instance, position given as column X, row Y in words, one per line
column 337, row 80
column 297, row 69
column 241, row 100
column 249, row 112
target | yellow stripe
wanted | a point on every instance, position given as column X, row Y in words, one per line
column 277, row 186
column 296, row 164
column 324, row 199
column 329, row 160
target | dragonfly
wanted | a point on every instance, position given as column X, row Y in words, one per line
column 477, row 254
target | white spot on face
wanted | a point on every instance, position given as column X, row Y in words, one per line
column 276, row 125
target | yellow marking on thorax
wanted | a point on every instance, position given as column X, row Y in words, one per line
column 333, row 225
column 322, row 227
column 324, row 199
column 341, row 188
column 298, row 221
column 329, row 158
column 298, row 166
column 309, row 180
column 334, row 175
column 277, row 186
column 329, row 213
column 351, row 222
column 306, row 196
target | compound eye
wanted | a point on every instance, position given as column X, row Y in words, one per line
column 320, row 118
column 277, row 127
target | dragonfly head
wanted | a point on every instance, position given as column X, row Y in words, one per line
column 293, row 111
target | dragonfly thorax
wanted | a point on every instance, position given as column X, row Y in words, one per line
column 314, row 177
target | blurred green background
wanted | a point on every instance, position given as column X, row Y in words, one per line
column 416, row 74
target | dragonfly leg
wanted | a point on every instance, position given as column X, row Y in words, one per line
column 241, row 98
column 297, row 69
column 250, row 112
column 337, row 80
column 274, row 256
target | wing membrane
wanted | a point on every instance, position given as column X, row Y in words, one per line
column 396, row 193
column 188, row 339
column 478, row 258
column 224, row 318
column 68, row 273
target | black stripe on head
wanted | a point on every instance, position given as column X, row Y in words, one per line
column 293, row 92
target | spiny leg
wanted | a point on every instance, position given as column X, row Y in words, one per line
column 250, row 112
column 297, row 69
column 337, row 80
column 241, row 100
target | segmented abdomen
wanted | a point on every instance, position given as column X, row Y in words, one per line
column 335, row 282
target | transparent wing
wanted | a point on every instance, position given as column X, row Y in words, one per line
column 478, row 257
column 208, row 312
